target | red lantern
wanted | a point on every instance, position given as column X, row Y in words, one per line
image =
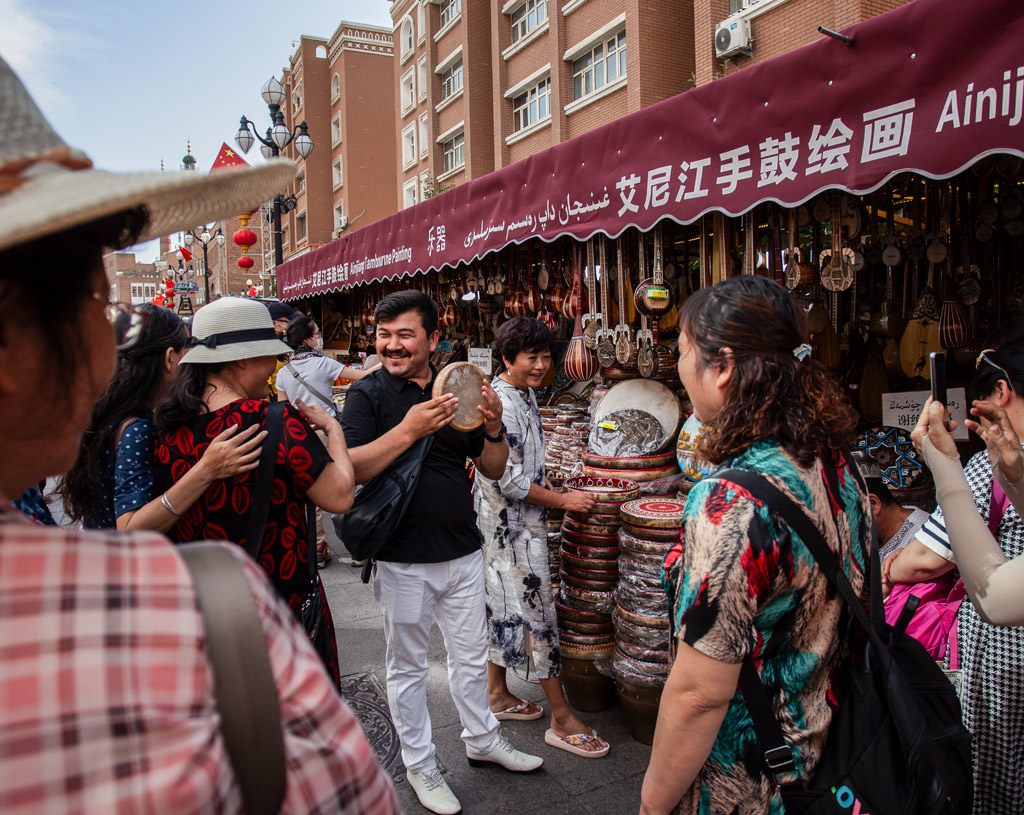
column 245, row 262
column 244, row 238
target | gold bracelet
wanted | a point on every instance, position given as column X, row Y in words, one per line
column 168, row 507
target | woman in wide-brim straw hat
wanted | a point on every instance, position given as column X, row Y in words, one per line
column 233, row 349
column 108, row 700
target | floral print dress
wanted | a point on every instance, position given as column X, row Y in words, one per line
column 514, row 533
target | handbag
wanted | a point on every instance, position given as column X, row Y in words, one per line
column 928, row 609
column 243, row 681
column 897, row 745
column 311, row 612
column 380, row 505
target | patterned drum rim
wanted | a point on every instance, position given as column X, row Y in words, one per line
column 668, row 536
column 591, row 552
column 584, row 640
column 562, row 608
column 589, row 564
column 610, row 489
column 600, row 525
column 599, row 598
column 894, row 451
column 585, row 628
column 640, row 666
column 640, row 476
column 572, row 581
column 637, row 651
column 581, row 539
column 654, row 513
column 630, row 463
column 639, row 619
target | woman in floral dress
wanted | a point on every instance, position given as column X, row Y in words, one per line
column 511, row 517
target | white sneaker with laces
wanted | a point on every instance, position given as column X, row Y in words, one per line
column 507, row 756
column 433, row 792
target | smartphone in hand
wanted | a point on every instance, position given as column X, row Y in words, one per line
column 937, row 368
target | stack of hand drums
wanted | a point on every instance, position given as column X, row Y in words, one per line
column 565, row 435
column 640, row 665
column 589, row 575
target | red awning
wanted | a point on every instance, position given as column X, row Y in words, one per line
column 929, row 87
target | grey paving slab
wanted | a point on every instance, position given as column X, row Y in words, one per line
column 566, row 783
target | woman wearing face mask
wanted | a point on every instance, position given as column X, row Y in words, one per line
column 111, row 483
column 307, row 377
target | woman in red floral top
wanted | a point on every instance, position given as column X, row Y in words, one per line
column 224, row 383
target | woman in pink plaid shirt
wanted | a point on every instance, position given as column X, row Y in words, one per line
column 106, row 692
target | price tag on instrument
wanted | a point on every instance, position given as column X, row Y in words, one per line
column 658, row 293
column 902, row 410
column 481, row 357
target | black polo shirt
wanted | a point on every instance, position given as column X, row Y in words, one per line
column 440, row 523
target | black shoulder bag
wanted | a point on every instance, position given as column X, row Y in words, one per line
column 381, row 502
column 897, row 745
column 311, row 612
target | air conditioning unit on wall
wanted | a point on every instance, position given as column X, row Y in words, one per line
column 732, row 38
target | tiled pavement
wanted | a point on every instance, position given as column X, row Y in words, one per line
column 607, row 786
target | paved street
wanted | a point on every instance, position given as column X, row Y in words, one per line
column 608, row 786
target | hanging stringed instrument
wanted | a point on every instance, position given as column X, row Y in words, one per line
column 624, row 350
column 580, row 363
column 953, row 317
column 645, row 356
column 591, row 318
column 605, row 334
column 921, row 336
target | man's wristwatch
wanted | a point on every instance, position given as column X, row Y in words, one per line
column 496, row 439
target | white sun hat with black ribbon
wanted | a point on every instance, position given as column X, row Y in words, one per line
column 233, row 328
column 47, row 187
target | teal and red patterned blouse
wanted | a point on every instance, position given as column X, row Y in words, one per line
column 740, row 584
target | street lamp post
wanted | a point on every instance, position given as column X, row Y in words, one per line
column 205, row 238
column 278, row 137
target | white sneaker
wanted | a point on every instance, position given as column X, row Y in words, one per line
column 433, row 792
column 507, row 756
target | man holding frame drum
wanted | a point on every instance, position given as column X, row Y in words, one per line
column 432, row 568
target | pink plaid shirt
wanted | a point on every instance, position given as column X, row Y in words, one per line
column 106, row 696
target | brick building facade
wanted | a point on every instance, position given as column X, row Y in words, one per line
column 342, row 89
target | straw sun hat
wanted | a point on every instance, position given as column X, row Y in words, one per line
column 47, row 187
column 233, row 328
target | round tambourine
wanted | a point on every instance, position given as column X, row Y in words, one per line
column 894, row 451
column 465, row 380
column 656, row 513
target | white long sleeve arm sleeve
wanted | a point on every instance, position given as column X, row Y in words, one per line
column 994, row 584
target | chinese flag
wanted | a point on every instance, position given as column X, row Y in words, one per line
column 187, row 255
column 227, row 158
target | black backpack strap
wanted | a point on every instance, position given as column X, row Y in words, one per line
column 243, row 680
column 908, row 718
column 260, row 505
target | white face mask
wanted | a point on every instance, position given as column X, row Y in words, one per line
column 319, row 344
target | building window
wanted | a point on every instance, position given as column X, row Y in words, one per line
column 300, row 227
column 340, row 221
column 532, row 105
column 409, row 146
column 425, row 185
column 410, row 192
column 338, row 175
column 421, row 19
column 297, row 97
column 422, row 71
column 424, row 135
column 451, row 80
column 407, row 37
column 300, row 181
column 336, row 130
column 454, row 153
column 527, row 17
column 335, row 87
column 450, row 9
column 601, row 65
column 408, row 92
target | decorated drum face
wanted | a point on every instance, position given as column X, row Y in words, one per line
column 465, row 380
column 686, row 451
column 655, row 513
column 629, row 463
column 894, row 451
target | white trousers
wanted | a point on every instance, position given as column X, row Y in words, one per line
column 452, row 593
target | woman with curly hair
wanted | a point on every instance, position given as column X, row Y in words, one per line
column 740, row 582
